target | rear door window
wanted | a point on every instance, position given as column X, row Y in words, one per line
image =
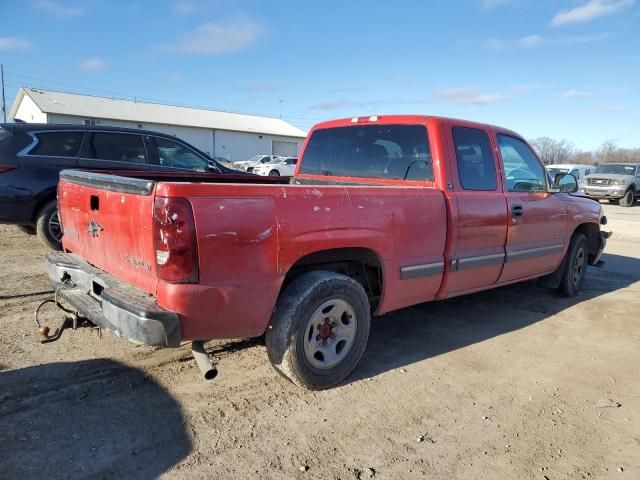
column 476, row 165
column 393, row 152
column 58, row 144
column 175, row 155
column 118, row 147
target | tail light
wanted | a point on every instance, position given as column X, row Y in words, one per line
column 174, row 239
column 6, row 168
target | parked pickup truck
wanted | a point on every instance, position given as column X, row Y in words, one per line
column 383, row 212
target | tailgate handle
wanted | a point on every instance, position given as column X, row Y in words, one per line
column 517, row 211
column 94, row 203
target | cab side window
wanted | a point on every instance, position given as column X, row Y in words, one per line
column 523, row 171
column 476, row 165
column 58, row 144
column 175, row 155
column 118, row 147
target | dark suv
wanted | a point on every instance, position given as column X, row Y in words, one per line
column 32, row 155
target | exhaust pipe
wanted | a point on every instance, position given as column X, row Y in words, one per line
column 204, row 360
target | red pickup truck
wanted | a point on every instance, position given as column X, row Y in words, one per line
column 383, row 212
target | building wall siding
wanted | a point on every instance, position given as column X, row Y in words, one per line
column 30, row 112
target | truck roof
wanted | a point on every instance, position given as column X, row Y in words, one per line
column 408, row 119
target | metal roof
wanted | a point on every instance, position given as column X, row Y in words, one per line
column 62, row 103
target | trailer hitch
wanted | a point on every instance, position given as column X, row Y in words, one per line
column 71, row 319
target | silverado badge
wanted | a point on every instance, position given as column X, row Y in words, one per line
column 94, row 229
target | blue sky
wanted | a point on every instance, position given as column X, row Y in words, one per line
column 564, row 69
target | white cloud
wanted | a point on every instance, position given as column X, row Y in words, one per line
column 577, row 94
column 184, row 7
column 537, row 41
column 215, row 38
column 14, row 44
column 469, row 96
column 59, row 9
column 93, row 64
column 590, row 11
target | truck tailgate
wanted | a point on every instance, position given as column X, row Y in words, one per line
column 108, row 221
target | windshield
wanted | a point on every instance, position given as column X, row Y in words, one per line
column 276, row 160
column 617, row 169
column 255, row 158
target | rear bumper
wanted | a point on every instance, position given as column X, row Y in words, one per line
column 110, row 304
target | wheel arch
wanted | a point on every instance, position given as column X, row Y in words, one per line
column 362, row 264
column 43, row 198
column 591, row 231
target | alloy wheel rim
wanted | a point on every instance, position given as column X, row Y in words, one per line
column 330, row 333
column 54, row 227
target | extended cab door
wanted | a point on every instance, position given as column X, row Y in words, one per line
column 478, row 251
column 537, row 218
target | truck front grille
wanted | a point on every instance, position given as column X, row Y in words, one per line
column 599, row 182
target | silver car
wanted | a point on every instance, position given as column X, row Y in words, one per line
column 616, row 182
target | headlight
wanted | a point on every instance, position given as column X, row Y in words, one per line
column 618, row 182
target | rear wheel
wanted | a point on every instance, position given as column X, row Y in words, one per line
column 628, row 198
column 319, row 329
column 274, row 173
column 28, row 229
column 48, row 226
column 576, row 266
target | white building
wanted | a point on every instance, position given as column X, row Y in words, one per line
column 232, row 136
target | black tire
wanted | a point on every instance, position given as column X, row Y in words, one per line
column 274, row 173
column 291, row 329
column 48, row 226
column 575, row 266
column 628, row 199
column 28, row 229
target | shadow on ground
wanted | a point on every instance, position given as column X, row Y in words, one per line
column 423, row 331
column 88, row 419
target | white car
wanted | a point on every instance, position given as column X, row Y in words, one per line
column 574, row 169
column 249, row 165
column 278, row 167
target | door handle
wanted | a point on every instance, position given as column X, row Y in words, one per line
column 517, row 211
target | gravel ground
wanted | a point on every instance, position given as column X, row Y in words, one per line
column 500, row 384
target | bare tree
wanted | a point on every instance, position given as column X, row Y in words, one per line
column 553, row 151
column 606, row 152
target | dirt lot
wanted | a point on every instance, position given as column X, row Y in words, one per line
column 502, row 384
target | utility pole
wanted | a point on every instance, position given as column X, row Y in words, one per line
column 4, row 104
column 280, row 113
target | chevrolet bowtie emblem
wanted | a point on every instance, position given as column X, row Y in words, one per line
column 94, row 229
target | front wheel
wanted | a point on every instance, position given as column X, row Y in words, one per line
column 319, row 329
column 628, row 199
column 274, row 173
column 48, row 226
column 576, row 266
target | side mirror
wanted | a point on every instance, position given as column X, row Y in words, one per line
column 564, row 183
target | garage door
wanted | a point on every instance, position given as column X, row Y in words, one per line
column 286, row 149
